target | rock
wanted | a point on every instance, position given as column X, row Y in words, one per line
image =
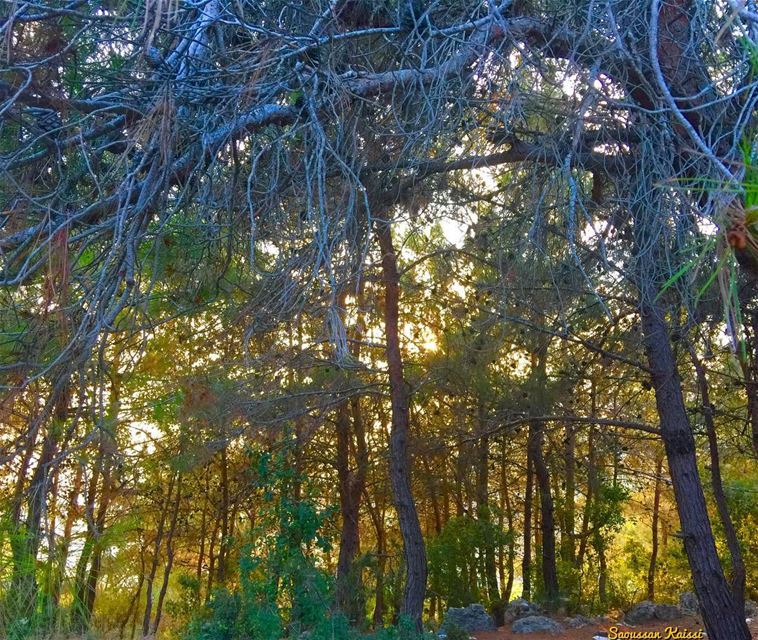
column 688, row 603
column 641, row 612
column 470, row 618
column 520, row 608
column 531, row 624
column 646, row 611
column 667, row 612
column 578, row 621
column 751, row 609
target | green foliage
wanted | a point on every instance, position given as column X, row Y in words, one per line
column 608, row 510
column 281, row 585
column 750, row 180
column 454, row 632
column 455, row 559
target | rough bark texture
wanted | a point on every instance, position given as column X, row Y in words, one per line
column 723, row 619
column 400, row 471
column 547, row 519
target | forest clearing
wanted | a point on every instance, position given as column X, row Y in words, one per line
column 382, row 320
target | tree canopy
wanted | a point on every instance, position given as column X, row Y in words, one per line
column 325, row 315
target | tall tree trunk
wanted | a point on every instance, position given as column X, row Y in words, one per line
column 602, row 571
column 484, row 516
column 717, row 485
column 723, row 618
column 26, row 542
column 348, row 583
column 203, row 534
column 432, row 487
column 224, row 542
column 526, row 562
column 591, row 474
column 97, row 554
column 547, row 519
column 751, row 380
column 568, row 539
column 80, row 586
column 506, row 509
column 64, row 543
column 150, row 579
column 170, row 552
column 654, row 528
column 400, row 462
column 131, row 611
column 351, row 435
column 211, row 560
column 377, row 518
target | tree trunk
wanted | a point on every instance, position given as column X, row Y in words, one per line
column 346, row 583
column 547, row 519
column 507, row 509
column 211, row 560
column 377, row 517
column 732, row 542
column 723, row 618
column 224, row 542
column 751, row 380
column 80, row 617
column 602, row 572
column 156, row 560
column 351, row 435
column 134, row 602
column 484, row 516
column 400, row 463
column 26, row 541
column 654, row 528
column 65, row 542
column 169, row 558
column 203, row 534
column 526, row 562
column 568, row 539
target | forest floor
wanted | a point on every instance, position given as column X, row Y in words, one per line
column 690, row 624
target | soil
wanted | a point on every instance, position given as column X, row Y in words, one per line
column 587, row 633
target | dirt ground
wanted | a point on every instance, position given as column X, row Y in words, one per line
column 586, row 633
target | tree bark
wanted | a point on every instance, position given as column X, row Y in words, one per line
column 170, row 552
column 224, row 542
column 723, row 619
column 484, row 516
column 350, row 489
column 568, row 539
column 133, row 603
column 526, row 562
column 717, row 485
column 156, row 560
column 400, row 463
column 65, row 542
column 506, row 508
column 351, row 435
column 377, row 517
column 654, row 528
column 751, row 379
column 547, row 520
